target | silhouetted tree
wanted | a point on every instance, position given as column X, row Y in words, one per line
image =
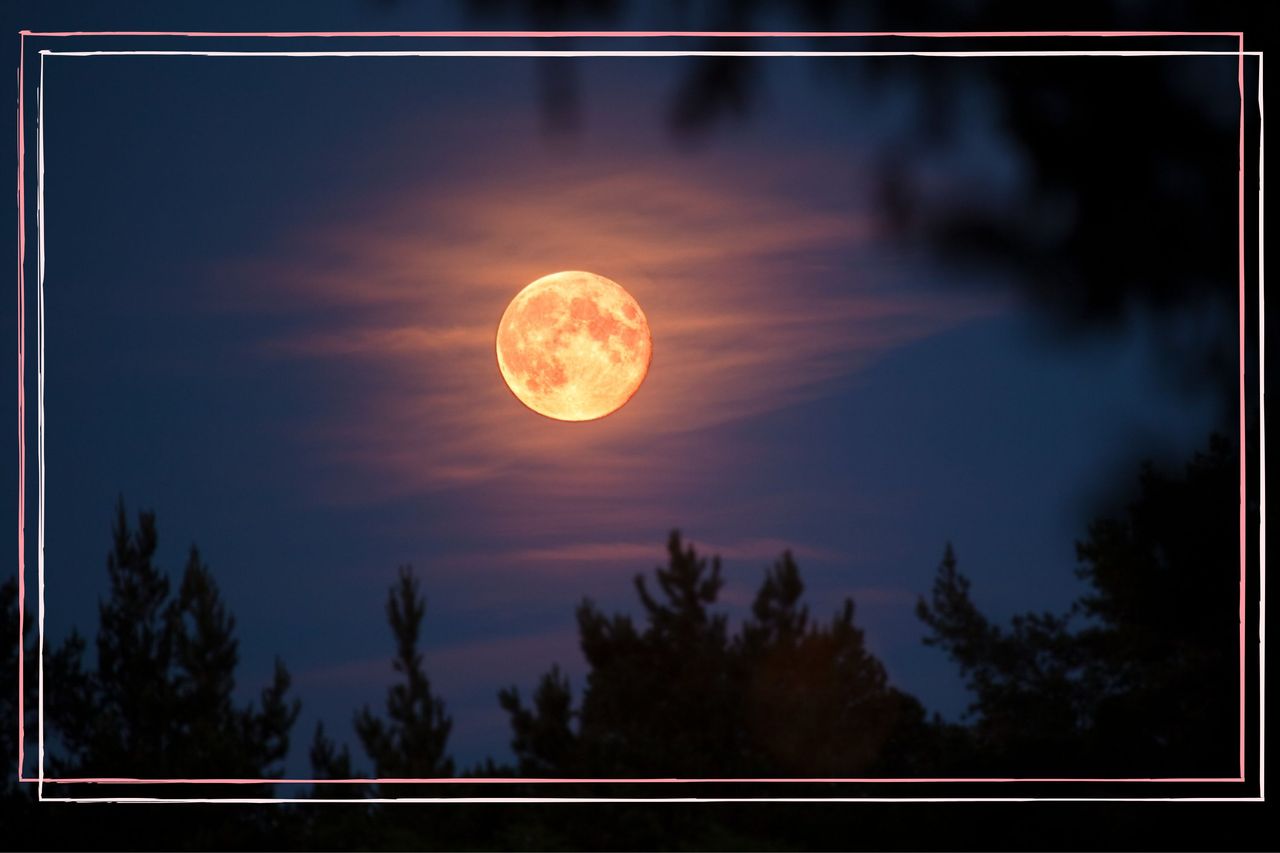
column 543, row 737
column 1138, row 677
column 1162, row 641
column 324, row 826
column 118, row 720
column 657, row 701
column 158, row 701
column 16, row 805
column 327, row 761
column 680, row 696
column 818, row 703
column 411, row 741
column 1029, row 701
column 9, row 605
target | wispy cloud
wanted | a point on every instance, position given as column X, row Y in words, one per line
column 757, row 301
column 765, row 550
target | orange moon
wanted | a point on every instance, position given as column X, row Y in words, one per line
column 574, row 346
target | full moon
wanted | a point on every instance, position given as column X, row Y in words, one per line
column 574, row 346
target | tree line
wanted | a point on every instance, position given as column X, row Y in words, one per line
column 1135, row 678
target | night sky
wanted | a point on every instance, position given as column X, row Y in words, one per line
column 272, row 289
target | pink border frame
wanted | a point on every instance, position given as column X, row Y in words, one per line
column 21, row 200
column 22, row 424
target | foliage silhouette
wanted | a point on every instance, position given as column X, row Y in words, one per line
column 322, row 825
column 328, row 761
column 410, row 743
column 1139, row 677
column 818, row 703
column 158, row 703
column 9, row 674
column 542, row 736
column 680, row 696
column 17, row 810
column 154, row 702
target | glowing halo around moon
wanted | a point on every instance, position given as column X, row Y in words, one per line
column 574, row 346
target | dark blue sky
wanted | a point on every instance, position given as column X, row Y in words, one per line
column 270, row 295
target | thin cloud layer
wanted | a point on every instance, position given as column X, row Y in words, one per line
column 640, row 553
column 756, row 302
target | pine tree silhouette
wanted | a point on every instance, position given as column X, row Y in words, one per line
column 1137, row 677
column 410, row 743
column 783, row 697
column 17, row 807
column 159, row 702
column 543, row 739
column 818, row 703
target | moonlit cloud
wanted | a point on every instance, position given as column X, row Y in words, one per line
column 639, row 553
column 756, row 300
